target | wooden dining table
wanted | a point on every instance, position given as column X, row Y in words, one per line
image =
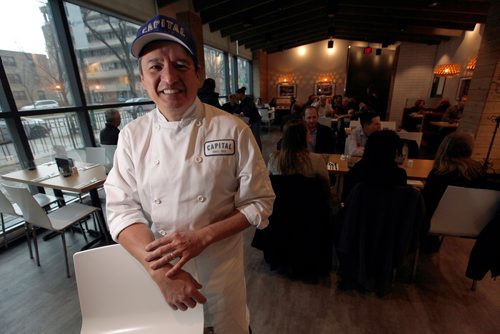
column 87, row 178
column 445, row 125
column 416, row 169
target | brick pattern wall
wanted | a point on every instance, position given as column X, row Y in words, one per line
column 483, row 102
column 411, row 81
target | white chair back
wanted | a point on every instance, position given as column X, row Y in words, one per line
column 33, row 213
column 464, row 211
column 7, row 207
column 95, row 155
column 388, row 125
column 109, row 152
column 325, row 121
column 354, row 124
column 416, row 136
column 118, row 296
column 264, row 113
column 61, row 152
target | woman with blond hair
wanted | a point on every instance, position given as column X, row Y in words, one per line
column 453, row 165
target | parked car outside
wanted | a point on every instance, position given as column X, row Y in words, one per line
column 34, row 127
column 41, row 104
column 134, row 110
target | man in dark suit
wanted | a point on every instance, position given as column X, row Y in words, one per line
column 322, row 137
column 109, row 135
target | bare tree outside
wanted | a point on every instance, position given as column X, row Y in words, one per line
column 116, row 30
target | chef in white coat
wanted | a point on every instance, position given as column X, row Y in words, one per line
column 187, row 179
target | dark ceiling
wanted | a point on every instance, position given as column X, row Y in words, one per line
column 278, row 25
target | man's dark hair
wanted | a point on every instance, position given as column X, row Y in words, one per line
column 110, row 115
column 367, row 116
column 208, row 85
column 313, row 108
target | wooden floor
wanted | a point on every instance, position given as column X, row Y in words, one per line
column 43, row 300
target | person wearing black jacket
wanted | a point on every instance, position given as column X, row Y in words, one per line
column 232, row 105
column 207, row 93
column 322, row 137
column 248, row 109
column 109, row 135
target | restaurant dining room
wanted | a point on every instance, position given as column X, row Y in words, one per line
column 355, row 144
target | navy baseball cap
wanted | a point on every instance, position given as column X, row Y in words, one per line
column 162, row 28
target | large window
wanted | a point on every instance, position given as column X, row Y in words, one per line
column 221, row 67
column 244, row 74
column 102, row 45
column 215, row 68
column 32, row 54
column 47, row 105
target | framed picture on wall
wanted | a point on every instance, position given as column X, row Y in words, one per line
column 463, row 87
column 287, row 89
column 324, row 88
column 438, row 86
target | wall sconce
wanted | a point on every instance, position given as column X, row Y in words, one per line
column 378, row 51
column 368, row 50
column 471, row 65
column 447, row 70
column 330, row 44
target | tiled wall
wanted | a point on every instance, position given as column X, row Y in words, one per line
column 484, row 93
column 413, row 79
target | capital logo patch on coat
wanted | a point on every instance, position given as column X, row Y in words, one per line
column 219, row 147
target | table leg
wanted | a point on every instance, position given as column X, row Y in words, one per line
column 104, row 236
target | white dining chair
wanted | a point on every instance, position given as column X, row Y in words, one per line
column 95, row 155
column 118, row 296
column 58, row 220
column 464, row 212
column 326, row 121
column 388, row 125
column 7, row 208
column 354, row 124
column 264, row 113
column 416, row 136
column 12, row 209
column 109, row 151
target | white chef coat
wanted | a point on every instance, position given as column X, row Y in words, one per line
column 185, row 175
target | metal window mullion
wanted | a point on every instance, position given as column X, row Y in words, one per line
column 71, row 66
column 13, row 121
column 226, row 75
column 235, row 72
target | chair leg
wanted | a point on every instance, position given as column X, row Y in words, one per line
column 4, row 233
column 96, row 224
column 83, row 231
column 102, row 227
column 65, row 253
column 28, row 238
column 474, row 285
column 35, row 243
column 415, row 263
